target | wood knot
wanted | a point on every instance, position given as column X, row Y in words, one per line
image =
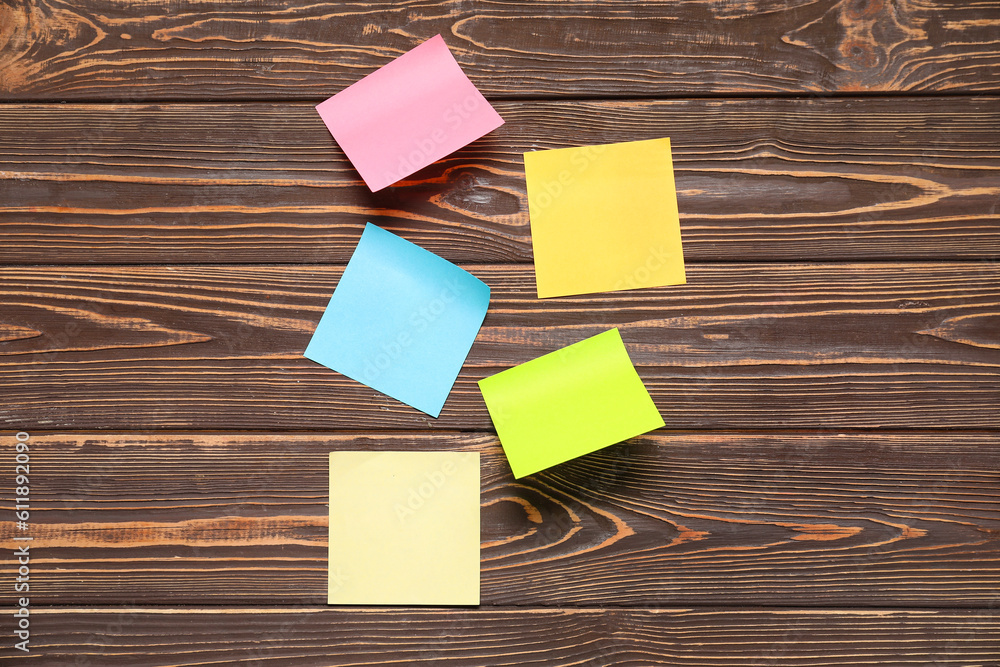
column 868, row 31
column 861, row 54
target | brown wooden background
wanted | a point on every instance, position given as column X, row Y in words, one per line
column 174, row 216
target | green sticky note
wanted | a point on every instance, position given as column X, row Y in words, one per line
column 404, row 528
column 568, row 403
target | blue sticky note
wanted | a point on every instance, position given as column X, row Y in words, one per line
column 401, row 321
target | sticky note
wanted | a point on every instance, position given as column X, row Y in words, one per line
column 568, row 403
column 404, row 528
column 407, row 114
column 604, row 218
column 401, row 320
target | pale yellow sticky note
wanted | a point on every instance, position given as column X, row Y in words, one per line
column 604, row 218
column 404, row 528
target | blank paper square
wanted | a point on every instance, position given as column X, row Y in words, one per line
column 568, row 403
column 407, row 114
column 604, row 218
column 401, row 321
column 404, row 528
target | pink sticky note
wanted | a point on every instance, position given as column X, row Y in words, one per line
column 407, row 114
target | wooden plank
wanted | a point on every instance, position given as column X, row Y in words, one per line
column 819, row 518
column 787, row 180
column 741, row 346
column 318, row 636
column 100, row 49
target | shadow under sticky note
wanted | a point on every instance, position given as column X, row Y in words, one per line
column 604, row 218
column 404, row 528
column 401, row 321
column 408, row 114
column 568, row 403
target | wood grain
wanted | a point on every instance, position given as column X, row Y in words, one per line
column 101, row 49
column 789, row 180
column 826, row 490
column 321, row 637
column 817, row 519
column 740, row 346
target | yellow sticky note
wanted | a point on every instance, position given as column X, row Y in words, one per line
column 404, row 528
column 604, row 218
